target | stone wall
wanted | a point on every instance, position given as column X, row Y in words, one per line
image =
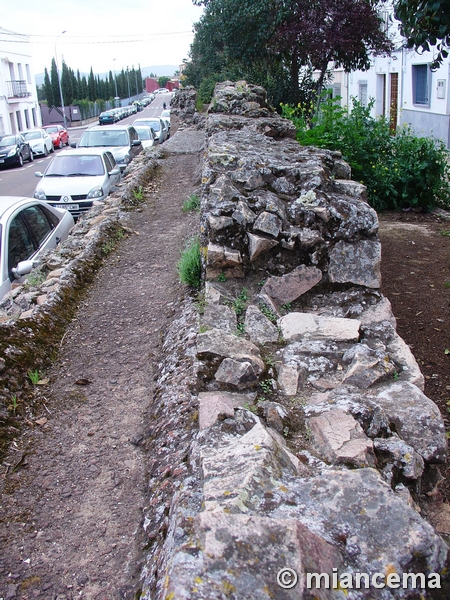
column 315, row 439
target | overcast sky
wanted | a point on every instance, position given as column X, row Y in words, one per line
column 136, row 32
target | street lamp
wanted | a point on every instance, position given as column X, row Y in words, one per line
column 59, row 81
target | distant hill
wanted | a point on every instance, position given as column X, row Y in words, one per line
column 159, row 71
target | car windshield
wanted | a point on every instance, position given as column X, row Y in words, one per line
column 165, row 113
column 144, row 133
column 105, row 138
column 8, row 140
column 51, row 129
column 75, row 166
column 32, row 135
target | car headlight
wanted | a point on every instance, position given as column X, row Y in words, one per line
column 96, row 192
column 12, row 152
column 40, row 194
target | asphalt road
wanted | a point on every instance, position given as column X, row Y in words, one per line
column 22, row 181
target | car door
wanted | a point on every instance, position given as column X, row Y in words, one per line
column 135, row 147
column 111, row 165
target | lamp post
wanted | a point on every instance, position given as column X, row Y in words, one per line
column 115, row 81
column 59, row 81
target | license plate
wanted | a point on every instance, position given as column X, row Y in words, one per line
column 67, row 206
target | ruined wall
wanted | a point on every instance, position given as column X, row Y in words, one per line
column 315, row 439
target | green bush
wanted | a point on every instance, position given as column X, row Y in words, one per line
column 192, row 204
column 399, row 169
column 189, row 266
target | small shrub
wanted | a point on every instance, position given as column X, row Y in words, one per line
column 192, row 204
column 399, row 169
column 189, row 266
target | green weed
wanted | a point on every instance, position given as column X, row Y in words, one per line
column 268, row 313
column 33, row 376
column 189, row 267
column 138, row 194
column 192, row 204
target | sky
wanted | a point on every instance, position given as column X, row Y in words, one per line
column 107, row 36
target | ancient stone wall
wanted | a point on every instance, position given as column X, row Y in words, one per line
column 315, row 438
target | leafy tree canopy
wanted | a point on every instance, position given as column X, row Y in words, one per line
column 277, row 41
column 426, row 23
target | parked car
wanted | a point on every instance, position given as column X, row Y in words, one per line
column 39, row 140
column 165, row 116
column 157, row 124
column 14, row 150
column 122, row 140
column 27, row 228
column 59, row 135
column 146, row 135
column 107, row 117
column 75, row 178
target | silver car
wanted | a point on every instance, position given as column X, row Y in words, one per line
column 75, row 178
column 122, row 140
column 158, row 126
column 27, row 228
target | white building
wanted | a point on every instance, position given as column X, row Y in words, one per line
column 404, row 88
column 19, row 108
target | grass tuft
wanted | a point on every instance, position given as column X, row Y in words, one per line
column 189, row 266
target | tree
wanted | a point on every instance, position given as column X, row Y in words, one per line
column 276, row 43
column 54, row 78
column 48, row 90
column 314, row 33
column 162, row 81
column 426, row 23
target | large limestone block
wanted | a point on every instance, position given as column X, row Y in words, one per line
column 220, row 316
column 258, row 327
column 268, row 223
column 401, row 353
column 215, row 404
column 339, row 439
column 416, row 418
column 296, row 326
column 220, row 343
column 220, row 256
column 291, row 286
column 381, row 532
column 239, row 374
column 358, row 263
column 257, row 245
column 238, row 470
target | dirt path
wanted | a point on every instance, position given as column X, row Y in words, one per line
column 73, row 497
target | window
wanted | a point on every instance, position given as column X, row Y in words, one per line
column 27, row 120
column 19, row 120
column 362, row 93
column 37, row 223
column 20, row 244
column 27, row 68
column 33, row 113
column 421, row 84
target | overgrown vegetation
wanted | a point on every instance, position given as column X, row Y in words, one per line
column 399, row 169
column 189, row 267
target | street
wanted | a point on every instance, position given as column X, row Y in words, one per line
column 22, row 181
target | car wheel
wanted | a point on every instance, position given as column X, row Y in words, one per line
column 45, row 150
column 67, row 143
column 52, row 149
column 60, row 145
column 20, row 160
column 31, row 157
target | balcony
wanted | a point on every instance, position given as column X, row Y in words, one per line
column 17, row 89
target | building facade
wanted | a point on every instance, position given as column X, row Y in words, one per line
column 19, row 107
column 403, row 88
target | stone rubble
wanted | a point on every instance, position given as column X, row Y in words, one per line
column 315, row 438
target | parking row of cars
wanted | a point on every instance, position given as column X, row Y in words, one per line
column 113, row 115
column 17, row 148
column 72, row 182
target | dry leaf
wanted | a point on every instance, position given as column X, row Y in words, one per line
column 41, row 421
column 42, row 381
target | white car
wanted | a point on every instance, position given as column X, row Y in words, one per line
column 165, row 116
column 146, row 135
column 75, row 178
column 40, row 141
column 158, row 126
column 27, row 228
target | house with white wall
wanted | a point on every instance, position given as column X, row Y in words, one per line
column 19, row 107
column 404, row 88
